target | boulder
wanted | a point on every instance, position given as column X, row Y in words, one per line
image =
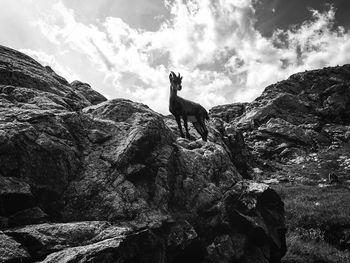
column 12, row 251
column 120, row 175
column 141, row 246
column 221, row 133
column 87, row 92
column 44, row 239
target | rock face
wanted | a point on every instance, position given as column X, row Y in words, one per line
column 88, row 180
column 87, row 92
column 12, row 251
column 295, row 118
column 228, row 112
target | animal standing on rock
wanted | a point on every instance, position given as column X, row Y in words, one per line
column 188, row 110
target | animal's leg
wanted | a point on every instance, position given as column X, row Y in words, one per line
column 204, row 129
column 188, row 136
column 198, row 128
column 178, row 120
column 205, row 133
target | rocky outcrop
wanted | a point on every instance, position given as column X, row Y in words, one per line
column 295, row 117
column 87, row 92
column 88, row 180
column 43, row 239
column 228, row 112
column 223, row 134
column 24, row 80
column 12, row 251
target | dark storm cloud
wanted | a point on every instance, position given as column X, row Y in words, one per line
column 274, row 14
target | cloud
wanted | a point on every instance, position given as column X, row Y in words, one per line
column 16, row 27
column 316, row 43
column 214, row 44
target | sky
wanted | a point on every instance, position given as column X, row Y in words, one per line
column 226, row 50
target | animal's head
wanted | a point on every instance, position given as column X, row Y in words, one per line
column 175, row 81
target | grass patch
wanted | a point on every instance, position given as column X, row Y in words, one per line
column 314, row 207
column 301, row 249
column 311, row 215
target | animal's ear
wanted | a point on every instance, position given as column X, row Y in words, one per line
column 172, row 75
